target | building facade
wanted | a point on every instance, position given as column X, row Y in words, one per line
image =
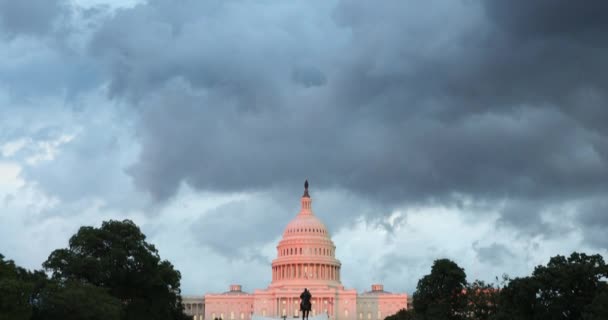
column 306, row 258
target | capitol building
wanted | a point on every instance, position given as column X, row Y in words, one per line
column 306, row 258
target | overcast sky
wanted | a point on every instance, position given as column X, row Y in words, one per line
column 469, row 130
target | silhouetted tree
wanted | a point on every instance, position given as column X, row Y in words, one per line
column 16, row 289
column 482, row 301
column 73, row 300
column 440, row 294
column 598, row 309
column 564, row 289
column 402, row 314
column 117, row 258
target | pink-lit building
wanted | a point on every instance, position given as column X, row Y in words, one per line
column 306, row 258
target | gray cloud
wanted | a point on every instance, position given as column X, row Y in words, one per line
column 29, row 17
column 593, row 217
column 229, row 228
column 496, row 253
column 493, row 103
column 381, row 107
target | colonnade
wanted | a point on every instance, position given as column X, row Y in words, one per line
column 306, row 271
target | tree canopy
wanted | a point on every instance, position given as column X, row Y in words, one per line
column 572, row 288
column 440, row 294
column 16, row 291
column 565, row 288
column 117, row 258
column 74, row 300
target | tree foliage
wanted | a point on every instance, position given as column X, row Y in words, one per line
column 566, row 288
column 482, row 301
column 402, row 314
column 439, row 295
column 598, row 309
column 571, row 288
column 117, row 258
column 15, row 291
column 72, row 300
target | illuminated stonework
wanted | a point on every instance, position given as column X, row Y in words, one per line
column 306, row 258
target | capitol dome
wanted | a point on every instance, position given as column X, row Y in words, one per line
column 306, row 253
column 306, row 258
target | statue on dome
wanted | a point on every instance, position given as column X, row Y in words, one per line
column 305, row 305
column 306, row 195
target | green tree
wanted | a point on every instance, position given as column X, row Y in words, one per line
column 116, row 257
column 517, row 300
column 440, row 294
column 564, row 289
column 74, row 300
column 15, row 291
column 482, row 301
column 402, row 314
column 568, row 285
column 598, row 309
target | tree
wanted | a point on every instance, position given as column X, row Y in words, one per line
column 117, row 258
column 482, row 301
column 598, row 309
column 567, row 286
column 564, row 289
column 517, row 300
column 440, row 294
column 74, row 300
column 402, row 314
column 15, row 291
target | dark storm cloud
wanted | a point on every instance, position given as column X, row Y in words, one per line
column 236, row 220
column 409, row 101
column 496, row 254
column 550, row 17
column 593, row 217
column 30, row 17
